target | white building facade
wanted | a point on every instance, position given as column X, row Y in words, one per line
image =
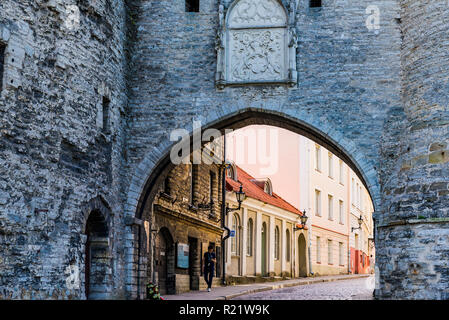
column 268, row 238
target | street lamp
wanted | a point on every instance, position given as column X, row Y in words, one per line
column 241, row 196
column 303, row 220
column 360, row 221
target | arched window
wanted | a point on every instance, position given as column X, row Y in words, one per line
column 277, row 243
column 255, row 44
column 235, row 245
column 287, row 245
column 250, row 237
column 268, row 187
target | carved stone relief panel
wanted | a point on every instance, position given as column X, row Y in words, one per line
column 253, row 13
column 256, row 55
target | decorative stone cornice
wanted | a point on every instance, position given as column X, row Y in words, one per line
column 184, row 218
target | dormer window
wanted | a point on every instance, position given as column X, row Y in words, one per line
column 264, row 184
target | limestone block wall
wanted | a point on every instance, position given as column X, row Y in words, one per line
column 412, row 238
column 61, row 59
column 379, row 94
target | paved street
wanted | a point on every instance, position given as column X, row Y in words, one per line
column 273, row 290
column 352, row 289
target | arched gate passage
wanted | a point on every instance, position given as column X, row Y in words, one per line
column 139, row 204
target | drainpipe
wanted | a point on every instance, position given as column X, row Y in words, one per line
column 223, row 214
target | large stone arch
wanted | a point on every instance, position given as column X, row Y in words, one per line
column 156, row 165
column 157, row 160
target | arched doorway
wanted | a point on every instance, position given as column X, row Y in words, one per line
column 264, row 250
column 302, row 257
column 97, row 257
column 164, row 262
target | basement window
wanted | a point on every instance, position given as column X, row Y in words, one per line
column 315, row 4
column 192, row 5
column 2, row 63
column 106, row 103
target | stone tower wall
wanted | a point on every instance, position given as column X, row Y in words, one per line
column 379, row 94
column 412, row 238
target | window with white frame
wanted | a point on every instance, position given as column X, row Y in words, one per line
column 249, row 237
column 341, row 253
column 318, row 203
column 341, row 212
column 353, row 192
column 329, row 252
column 330, row 201
column 318, row 158
column 358, row 196
column 341, row 175
column 331, row 165
column 318, row 249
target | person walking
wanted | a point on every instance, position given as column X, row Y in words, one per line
column 209, row 266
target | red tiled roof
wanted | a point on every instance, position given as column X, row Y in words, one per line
column 254, row 191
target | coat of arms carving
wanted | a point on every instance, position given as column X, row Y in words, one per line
column 256, row 44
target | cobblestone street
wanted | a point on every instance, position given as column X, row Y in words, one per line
column 353, row 289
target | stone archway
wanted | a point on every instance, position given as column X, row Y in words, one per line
column 158, row 164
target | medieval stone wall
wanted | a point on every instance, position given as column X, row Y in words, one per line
column 62, row 58
column 412, row 238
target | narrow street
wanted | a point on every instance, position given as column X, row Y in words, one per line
column 351, row 289
column 355, row 287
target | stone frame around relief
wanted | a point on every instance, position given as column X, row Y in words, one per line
column 272, row 61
